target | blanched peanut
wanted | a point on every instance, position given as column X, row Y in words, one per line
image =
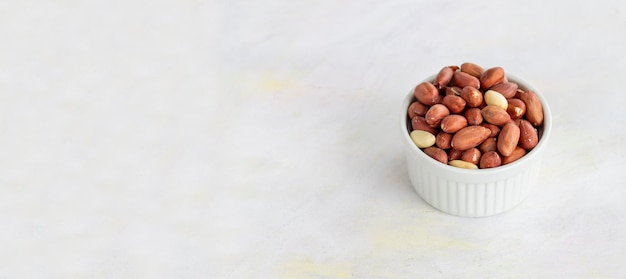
column 462, row 164
column 494, row 98
column 422, row 139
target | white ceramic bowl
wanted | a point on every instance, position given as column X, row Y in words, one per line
column 474, row 193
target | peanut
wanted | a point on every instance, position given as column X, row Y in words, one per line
column 495, row 115
column 444, row 76
column 419, row 123
column 470, row 136
column 534, row 108
column 453, row 91
column 462, row 164
column 508, row 139
column 507, row 89
column 426, row 93
column 473, row 116
column 516, row 108
column 472, row 69
column 462, row 79
column 515, row 155
column 471, row 155
column 491, row 77
column 422, row 139
column 443, row 140
column 453, row 123
column 454, row 103
column 417, row 109
column 495, row 130
column 528, row 138
column 437, row 154
column 435, row 114
column 490, row 159
column 493, row 98
column 489, row 144
column 454, row 154
column 472, row 96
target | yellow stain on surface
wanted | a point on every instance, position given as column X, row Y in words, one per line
column 271, row 82
column 419, row 236
column 308, row 268
column 418, row 239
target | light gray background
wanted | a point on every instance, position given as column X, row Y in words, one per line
column 258, row 139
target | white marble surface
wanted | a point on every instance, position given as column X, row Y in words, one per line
column 258, row 139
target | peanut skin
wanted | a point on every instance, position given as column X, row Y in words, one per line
column 435, row 114
column 453, row 123
column 437, row 154
column 508, row 139
column 495, row 130
column 515, row 155
column 473, row 116
column 470, row 136
column 528, row 135
column 444, row 77
column 491, row 77
column 419, row 123
column 516, row 108
column 462, row 80
column 426, row 93
column 454, row 103
column 507, row 89
column 534, row 108
column 454, row 154
column 417, row 109
column 471, row 155
column 472, row 69
column 495, row 115
column 443, row 140
column 490, row 159
column 489, row 144
column 453, row 91
column 472, row 96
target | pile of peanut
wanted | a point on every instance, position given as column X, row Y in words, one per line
column 473, row 118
